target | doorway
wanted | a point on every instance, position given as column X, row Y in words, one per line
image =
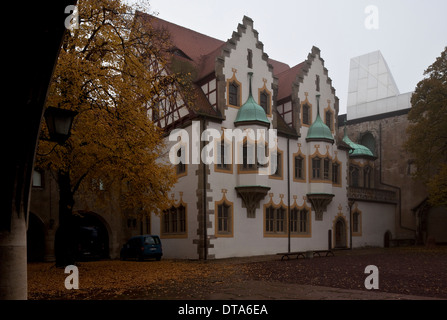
column 387, row 239
column 340, row 233
column 90, row 237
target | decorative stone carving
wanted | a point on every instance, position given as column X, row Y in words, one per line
column 319, row 203
column 251, row 196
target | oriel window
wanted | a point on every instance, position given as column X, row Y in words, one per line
column 316, row 168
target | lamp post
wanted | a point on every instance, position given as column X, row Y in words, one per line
column 350, row 204
column 59, row 122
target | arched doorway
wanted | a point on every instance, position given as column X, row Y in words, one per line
column 90, row 237
column 35, row 239
column 387, row 239
column 340, row 233
column 93, row 237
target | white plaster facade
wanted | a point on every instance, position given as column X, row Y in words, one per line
column 248, row 235
column 196, row 234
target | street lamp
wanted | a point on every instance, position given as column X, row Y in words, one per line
column 59, row 122
column 350, row 204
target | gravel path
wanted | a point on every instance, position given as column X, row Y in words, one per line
column 411, row 271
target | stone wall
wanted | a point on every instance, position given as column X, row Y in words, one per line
column 393, row 167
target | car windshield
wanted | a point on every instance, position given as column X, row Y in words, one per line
column 151, row 240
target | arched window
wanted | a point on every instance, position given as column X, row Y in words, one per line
column 316, row 168
column 224, row 218
column 174, row 221
column 304, row 221
column 277, row 162
column 326, row 169
column 299, row 167
column 306, row 114
column 335, row 172
column 369, row 141
column 233, row 94
column 299, row 221
column 275, row 220
column 354, row 176
column 264, row 99
column 356, row 222
column 223, row 160
column 248, row 156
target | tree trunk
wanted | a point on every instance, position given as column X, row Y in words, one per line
column 66, row 235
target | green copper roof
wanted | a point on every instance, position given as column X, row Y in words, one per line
column 319, row 130
column 251, row 111
column 358, row 149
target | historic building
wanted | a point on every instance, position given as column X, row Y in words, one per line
column 223, row 210
column 377, row 118
column 325, row 190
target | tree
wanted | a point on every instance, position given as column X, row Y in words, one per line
column 112, row 70
column 427, row 132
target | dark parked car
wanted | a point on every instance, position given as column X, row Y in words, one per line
column 142, row 247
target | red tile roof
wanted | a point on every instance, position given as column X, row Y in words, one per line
column 285, row 80
column 203, row 51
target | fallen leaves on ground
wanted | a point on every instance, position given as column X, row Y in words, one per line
column 113, row 279
column 414, row 271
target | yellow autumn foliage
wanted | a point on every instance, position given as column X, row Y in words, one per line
column 112, row 71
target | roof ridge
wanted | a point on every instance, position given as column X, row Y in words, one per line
column 183, row 27
column 290, row 68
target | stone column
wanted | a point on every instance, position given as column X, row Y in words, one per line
column 13, row 261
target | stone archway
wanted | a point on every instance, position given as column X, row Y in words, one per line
column 91, row 236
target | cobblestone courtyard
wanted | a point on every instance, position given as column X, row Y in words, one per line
column 414, row 271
